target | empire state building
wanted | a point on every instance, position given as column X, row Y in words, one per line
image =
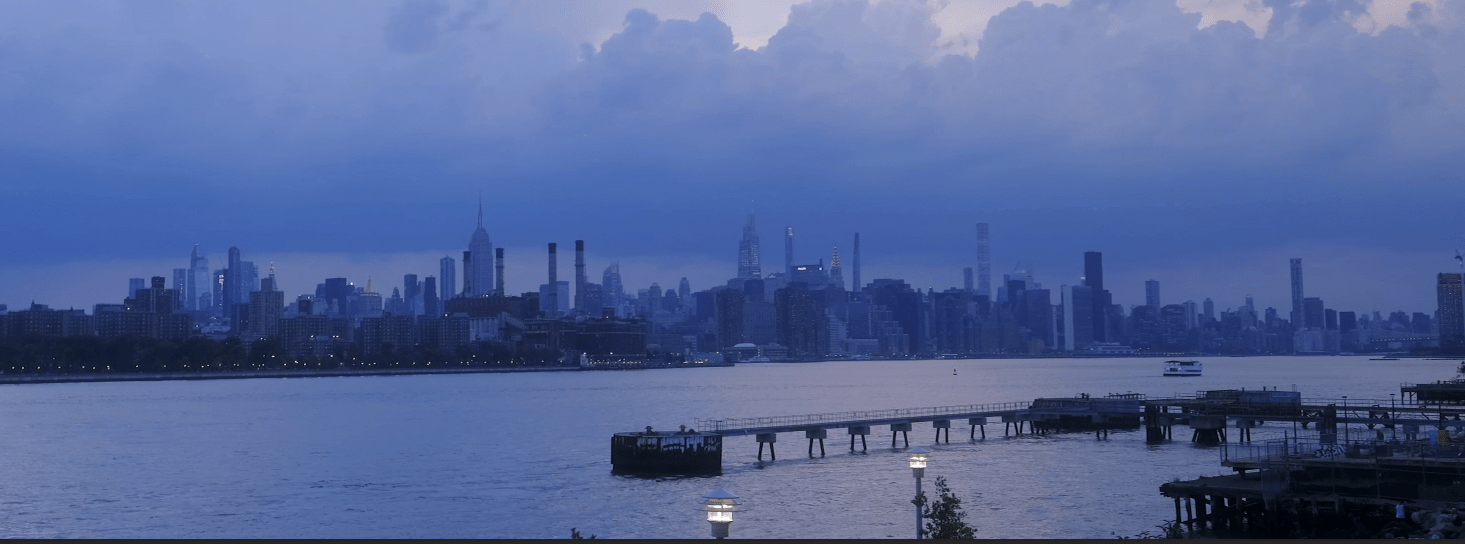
column 478, row 262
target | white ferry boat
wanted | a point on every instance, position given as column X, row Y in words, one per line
column 1182, row 368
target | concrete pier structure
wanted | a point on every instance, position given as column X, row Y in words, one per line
column 651, row 452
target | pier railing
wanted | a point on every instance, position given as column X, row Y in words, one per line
column 839, row 419
column 1294, row 449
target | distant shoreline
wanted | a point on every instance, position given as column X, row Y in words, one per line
column 19, row 379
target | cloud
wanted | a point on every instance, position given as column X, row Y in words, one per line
column 1132, row 126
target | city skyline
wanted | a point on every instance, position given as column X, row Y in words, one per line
column 530, row 276
column 823, row 116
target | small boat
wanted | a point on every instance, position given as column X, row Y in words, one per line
column 1182, row 368
column 953, row 372
column 1384, row 359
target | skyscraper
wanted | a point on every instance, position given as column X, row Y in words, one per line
column 411, row 294
column 1297, row 320
column 684, row 293
column 133, row 284
column 984, row 261
column 1152, row 294
column 1208, row 310
column 232, row 273
column 431, row 304
column 788, row 252
column 748, row 260
column 611, row 289
column 198, row 291
column 265, row 308
column 180, row 284
column 481, row 248
column 967, row 282
column 1093, row 271
column 498, row 267
column 1078, row 330
column 552, row 304
column 448, row 283
column 836, row 271
column 1451, row 312
column 582, row 307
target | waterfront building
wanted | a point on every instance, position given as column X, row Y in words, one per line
column 133, row 284
column 1152, row 293
column 855, row 284
column 265, row 309
column 387, row 334
column 1451, row 312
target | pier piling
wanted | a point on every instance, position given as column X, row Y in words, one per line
column 769, row 439
column 820, row 435
column 904, row 428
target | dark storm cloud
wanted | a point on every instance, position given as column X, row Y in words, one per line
column 1103, row 124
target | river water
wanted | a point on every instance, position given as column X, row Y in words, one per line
column 528, row 454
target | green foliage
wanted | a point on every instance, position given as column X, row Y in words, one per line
column 1169, row 531
column 944, row 518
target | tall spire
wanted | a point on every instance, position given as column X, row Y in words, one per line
column 480, row 211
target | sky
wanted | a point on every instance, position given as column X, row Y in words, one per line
column 1200, row 143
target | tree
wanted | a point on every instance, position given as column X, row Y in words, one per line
column 944, row 518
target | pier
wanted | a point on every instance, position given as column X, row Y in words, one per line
column 1209, row 414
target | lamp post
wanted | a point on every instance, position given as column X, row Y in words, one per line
column 1345, row 419
column 918, row 458
column 1393, row 426
column 720, row 506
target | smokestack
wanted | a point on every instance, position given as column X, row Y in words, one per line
column 857, row 286
column 580, row 277
column 553, row 302
column 499, row 267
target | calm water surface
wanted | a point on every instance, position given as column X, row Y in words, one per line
column 527, row 455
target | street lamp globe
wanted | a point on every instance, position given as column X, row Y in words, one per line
column 918, row 458
column 720, row 505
